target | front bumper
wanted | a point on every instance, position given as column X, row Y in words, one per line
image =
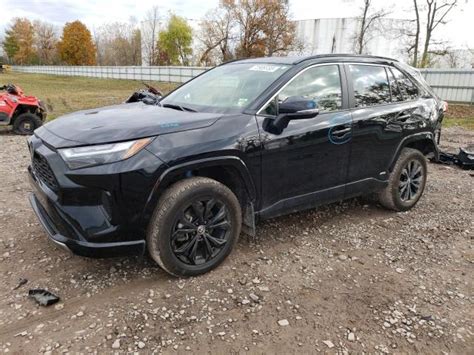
column 81, row 247
column 94, row 212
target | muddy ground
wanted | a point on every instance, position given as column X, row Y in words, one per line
column 349, row 278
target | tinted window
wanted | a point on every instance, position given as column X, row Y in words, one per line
column 396, row 93
column 321, row 83
column 370, row 85
column 408, row 89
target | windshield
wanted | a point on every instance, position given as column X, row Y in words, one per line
column 226, row 89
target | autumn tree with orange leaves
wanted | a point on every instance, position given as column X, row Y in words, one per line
column 76, row 46
column 247, row 28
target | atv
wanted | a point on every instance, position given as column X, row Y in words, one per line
column 24, row 113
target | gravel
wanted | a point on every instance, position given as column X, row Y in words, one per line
column 350, row 277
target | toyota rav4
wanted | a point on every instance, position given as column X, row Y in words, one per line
column 245, row 141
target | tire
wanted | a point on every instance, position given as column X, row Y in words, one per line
column 402, row 193
column 26, row 123
column 176, row 223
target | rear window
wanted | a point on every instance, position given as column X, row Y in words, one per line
column 408, row 89
column 370, row 84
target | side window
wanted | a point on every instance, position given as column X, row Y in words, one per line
column 396, row 93
column 370, row 85
column 409, row 90
column 321, row 83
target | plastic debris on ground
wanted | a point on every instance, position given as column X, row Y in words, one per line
column 464, row 159
column 43, row 297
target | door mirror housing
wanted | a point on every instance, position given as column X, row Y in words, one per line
column 293, row 108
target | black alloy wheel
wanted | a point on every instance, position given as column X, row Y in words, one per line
column 201, row 231
column 410, row 180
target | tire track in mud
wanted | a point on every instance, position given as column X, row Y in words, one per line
column 72, row 305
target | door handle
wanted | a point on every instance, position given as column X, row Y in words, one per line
column 341, row 132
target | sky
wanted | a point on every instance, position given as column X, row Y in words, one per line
column 459, row 30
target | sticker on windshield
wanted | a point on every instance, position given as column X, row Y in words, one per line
column 265, row 67
column 242, row 102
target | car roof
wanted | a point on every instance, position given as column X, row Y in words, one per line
column 293, row 60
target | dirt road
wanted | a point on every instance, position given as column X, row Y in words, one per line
column 349, row 277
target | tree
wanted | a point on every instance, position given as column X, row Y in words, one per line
column 429, row 14
column 18, row 43
column 250, row 16
column 118, row 44
column 216, row 36
column 368, row 20
column 265, row 28
column 248, row 28
column 10, row 45
column 435, row 15
column 174, row 42
column 279, row 31
column 417, row 34
column 149, row 35
column 46, row 42
column 76, row 46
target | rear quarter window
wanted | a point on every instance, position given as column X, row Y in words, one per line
column 407, row 88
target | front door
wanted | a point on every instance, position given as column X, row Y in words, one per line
column 307, row 163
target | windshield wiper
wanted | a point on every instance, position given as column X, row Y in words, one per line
column 178, row 107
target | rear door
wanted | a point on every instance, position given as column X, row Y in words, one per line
column 386, row 106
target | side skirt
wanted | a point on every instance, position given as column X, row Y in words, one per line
column 318, row 198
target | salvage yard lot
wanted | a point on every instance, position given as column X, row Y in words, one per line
column 346, row 277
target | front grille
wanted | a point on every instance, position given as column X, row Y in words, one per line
column 44, row 172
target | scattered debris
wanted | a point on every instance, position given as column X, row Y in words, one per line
column 343, row 257
column 464, row 159
column 21, row 282
column 116, row 344
column 283, row 322
column 43, row 297
column 329, row 344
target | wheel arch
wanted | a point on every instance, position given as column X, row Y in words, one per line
column 230, row 171
column 423, row 142
column 22, row 108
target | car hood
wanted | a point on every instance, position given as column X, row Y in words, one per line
column 120, row 123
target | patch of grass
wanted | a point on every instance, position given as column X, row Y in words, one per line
column 467, row 122
column 459, row 115
column 64, row 94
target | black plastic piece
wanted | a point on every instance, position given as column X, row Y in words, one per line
column 43, row 297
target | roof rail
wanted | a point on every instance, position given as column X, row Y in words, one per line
column 348, row 55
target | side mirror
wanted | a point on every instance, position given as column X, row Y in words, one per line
column 293, row 108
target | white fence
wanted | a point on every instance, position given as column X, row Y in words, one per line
column 456, row 85
column 165, row 74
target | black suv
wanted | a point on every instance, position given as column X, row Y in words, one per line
column 245, row 141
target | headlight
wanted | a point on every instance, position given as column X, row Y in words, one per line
column 81, row 157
